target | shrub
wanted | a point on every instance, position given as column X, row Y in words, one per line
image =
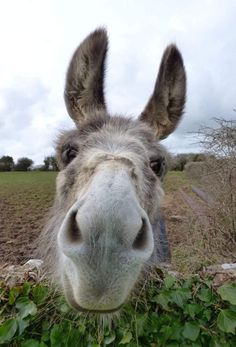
column 195, row 169
column 169, row 312
column 179, row 161
column 218, row 179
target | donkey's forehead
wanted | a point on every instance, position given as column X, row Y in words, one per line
column 103, row 129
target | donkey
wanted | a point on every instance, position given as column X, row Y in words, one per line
column 104, row 226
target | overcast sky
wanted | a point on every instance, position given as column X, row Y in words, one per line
column 38, row 38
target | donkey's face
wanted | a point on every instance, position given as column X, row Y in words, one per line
column 109, row 186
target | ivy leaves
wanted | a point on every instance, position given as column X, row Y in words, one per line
column 226, row 320
column 187, row 312
column 8, row 330
column 228, row 292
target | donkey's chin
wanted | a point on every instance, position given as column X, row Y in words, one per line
column 100, row 310
column 87, row 302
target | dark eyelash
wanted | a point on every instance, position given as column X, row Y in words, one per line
column 69, row 154
column 157, row 166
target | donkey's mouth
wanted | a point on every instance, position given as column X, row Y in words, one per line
column 81, row 309
column 76, row 306
column 70, row 298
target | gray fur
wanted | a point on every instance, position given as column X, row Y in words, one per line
column 133, row 143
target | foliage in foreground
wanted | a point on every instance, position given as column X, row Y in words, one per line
column 169, row 312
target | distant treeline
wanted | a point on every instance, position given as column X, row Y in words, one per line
column 26, row 164
column 177, row 162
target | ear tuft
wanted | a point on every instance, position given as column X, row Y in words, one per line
column 165, row 107
column 84, row 90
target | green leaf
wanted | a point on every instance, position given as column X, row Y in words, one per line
column 26, row 289
column 192, row 309
column 64, row 308
column 228, row 292
column 208, row 282
column 40, row 294
column 191, row 331
column 180, row 296
column 226, row 321
column 163, row 300
column 205, row 295
column 167, row 332
column 207, row 314
column 26, row 307
column 57, row 336
column 45, row 336
column 8, row 330
column 13, row 294
column 126, row 338
column 140, row 323
column 109, row 339
column 42, row 344
column 73, row 335
column 22, row 324
column 169, row 281
column 176, row 331
column 30, row 343
column 219, row 342
column 188, row 283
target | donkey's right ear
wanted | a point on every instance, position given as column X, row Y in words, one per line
column 165, row 107
column 84, row 89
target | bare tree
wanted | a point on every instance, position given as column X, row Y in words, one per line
column 219, row 180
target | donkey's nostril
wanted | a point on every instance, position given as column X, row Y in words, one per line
column 74, row 232
column 141, row 238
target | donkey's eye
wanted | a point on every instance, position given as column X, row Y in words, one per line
column 157, row 166
column 69, row 154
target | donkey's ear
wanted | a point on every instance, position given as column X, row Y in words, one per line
column 165, row 107
column 84, row 91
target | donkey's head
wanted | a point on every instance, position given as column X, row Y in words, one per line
column 109, row 185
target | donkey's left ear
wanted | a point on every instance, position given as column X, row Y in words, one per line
column 165, row 107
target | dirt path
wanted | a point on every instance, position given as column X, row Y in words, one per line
column 199, row 210
column 189, row 225
column 203, row 195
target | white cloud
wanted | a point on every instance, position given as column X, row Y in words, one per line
column 38, row 37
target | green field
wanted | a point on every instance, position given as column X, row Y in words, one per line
column 25, row 198
column 31, row 181
column 34, row 187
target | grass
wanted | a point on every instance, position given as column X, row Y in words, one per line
column 29, row 177
column 30, row 186
column 25, row 200
column 175, row 180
